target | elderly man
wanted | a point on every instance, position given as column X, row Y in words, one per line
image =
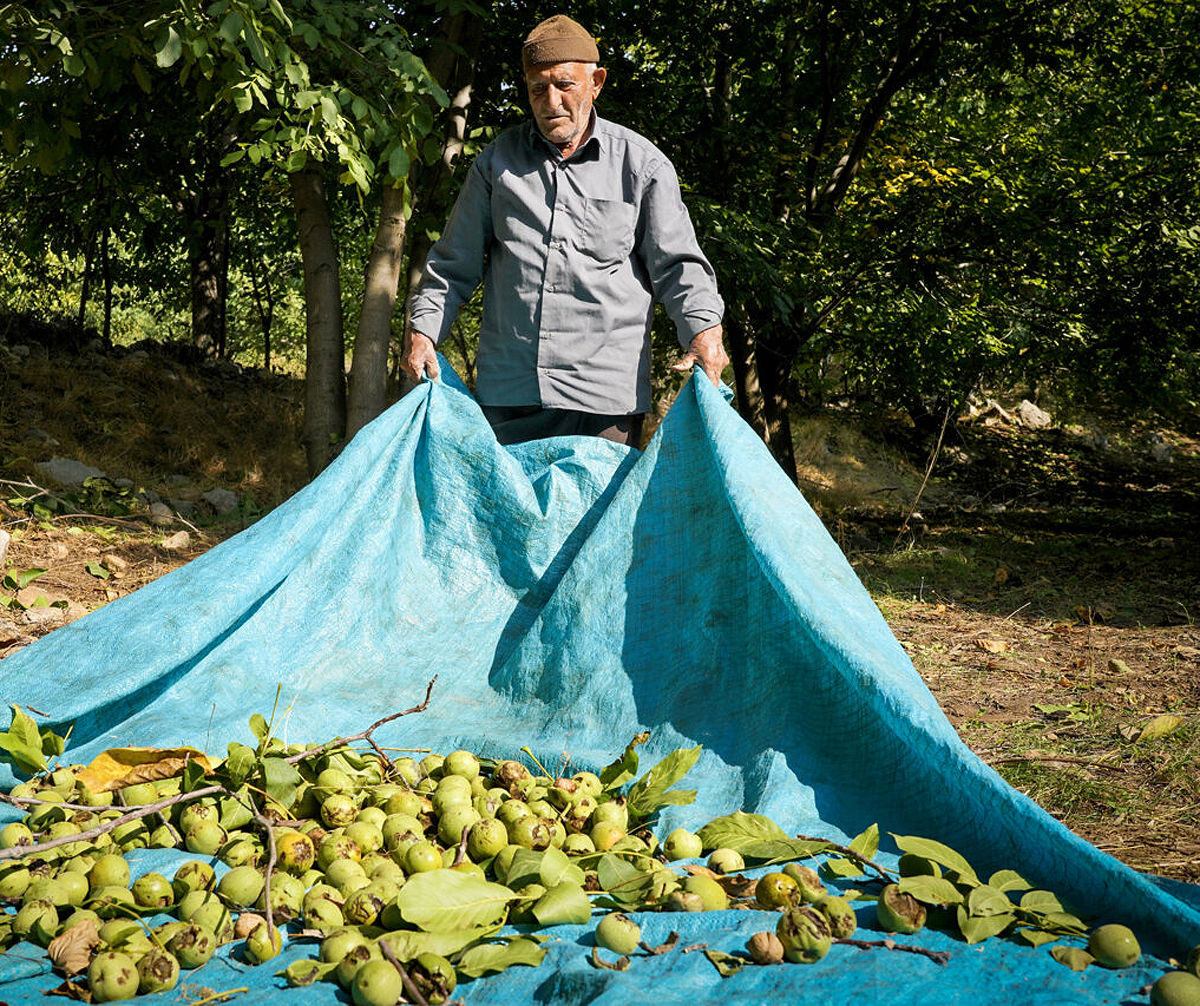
column 576, row 227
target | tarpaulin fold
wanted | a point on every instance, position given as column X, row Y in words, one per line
column 569, row 593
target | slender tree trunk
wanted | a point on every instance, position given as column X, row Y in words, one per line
column 368, row 371
column 106, row 275
column 324, row 384
column 207, row 264
column 264, row 303
column 775, row 354
column 85, row 288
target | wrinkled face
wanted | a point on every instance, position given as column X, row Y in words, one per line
column 561, row 96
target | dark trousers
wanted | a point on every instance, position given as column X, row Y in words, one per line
column 514, row 424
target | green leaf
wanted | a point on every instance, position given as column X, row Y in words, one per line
column 984, row 901
column 1036, row 937
column 490, row 958
column 866, row 844
column 653, row 790
column 278, row 11
column 1063, row 922
column 976, row 929
column 280, row 780
column 259, row 727
column 624, row 768
column 837, row 866
column 240, row 763
column 231, row 27
column 939, row 853
column 726, row 964
column 406, row 944
column 737, row 830
column 782, row 850
column 1041, row 901
column 564, row 904
column 1075, row 958
column 621, row 879
column 23, row 742
column 98, row 571
column 233, row 157
column 931, row 890
column 398, row 163
column 26, row 577
column 52, row 744
column 193, row 776
column 168, row 47
column 1008, row 880
column 450, row 900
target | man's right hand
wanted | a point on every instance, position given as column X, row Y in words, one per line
column 420, row 356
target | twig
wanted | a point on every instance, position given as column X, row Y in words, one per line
column 858, row 857
column 933, row 456
column 216, row 997
column 462, row 846
column 937, row 956
column 271, row 857
column 138, row 524
column 1052, row 758
column 134, row 814
column 409, row 986
column 366, row 734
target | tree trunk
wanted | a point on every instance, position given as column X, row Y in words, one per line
column 209, row 222
column 324, row 384
column 368, row 372
column 774, row 356
column 106, row 275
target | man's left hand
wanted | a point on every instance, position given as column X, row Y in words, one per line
column 708, row 350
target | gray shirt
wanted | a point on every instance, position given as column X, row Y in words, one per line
column 575, row 253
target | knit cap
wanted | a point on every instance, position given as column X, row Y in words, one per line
column 558, row 39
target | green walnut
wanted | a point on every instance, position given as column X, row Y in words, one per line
column 619, row 933
column 158, row 971
column 377, row 983
column 1114, row 946
column 153, row 890
column 899, row 912
column 839, row 914
column 725, row 861
column 683, row 844
column 807, row 880
column 112, row 976
column 193, row 946
column 433, row 976
column 804, row 934
column 712, row 895
column 263, row 943
column 241, row 886
column 776, row 890
column 1176, row 988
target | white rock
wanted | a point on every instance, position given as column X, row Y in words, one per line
column 1031, row 416
column 4, row 540
column 221, row 500
column 43, row 616
column 177, row 542
column 67, row 472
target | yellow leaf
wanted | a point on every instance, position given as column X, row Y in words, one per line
column 1160, row 726
column 119, row 767
column 992, row 645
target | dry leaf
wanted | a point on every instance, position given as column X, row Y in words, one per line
column 1160, row 726
column 620, row 964
column 992, row 645
column 665, row 947
column 71, row 952
column 78, row 991
column 119, row 767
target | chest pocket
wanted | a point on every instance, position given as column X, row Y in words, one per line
column 608, row 230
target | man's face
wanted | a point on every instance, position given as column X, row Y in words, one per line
column 561, row 96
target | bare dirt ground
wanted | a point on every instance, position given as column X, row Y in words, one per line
column 1045, row 583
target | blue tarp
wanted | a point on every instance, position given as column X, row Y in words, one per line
column 570, row 593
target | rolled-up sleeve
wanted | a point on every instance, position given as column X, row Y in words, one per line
column 454, row 267
column 683, row 280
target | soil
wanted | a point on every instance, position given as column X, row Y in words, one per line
column 1045, row 582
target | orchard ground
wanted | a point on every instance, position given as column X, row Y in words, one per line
column 1045, row 582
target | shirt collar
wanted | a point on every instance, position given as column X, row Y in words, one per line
column 590, row 149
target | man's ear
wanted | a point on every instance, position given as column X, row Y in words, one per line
column 599, row 76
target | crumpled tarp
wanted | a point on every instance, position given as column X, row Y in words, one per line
column 569, row 593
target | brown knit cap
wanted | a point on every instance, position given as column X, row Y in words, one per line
column 558, row 39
